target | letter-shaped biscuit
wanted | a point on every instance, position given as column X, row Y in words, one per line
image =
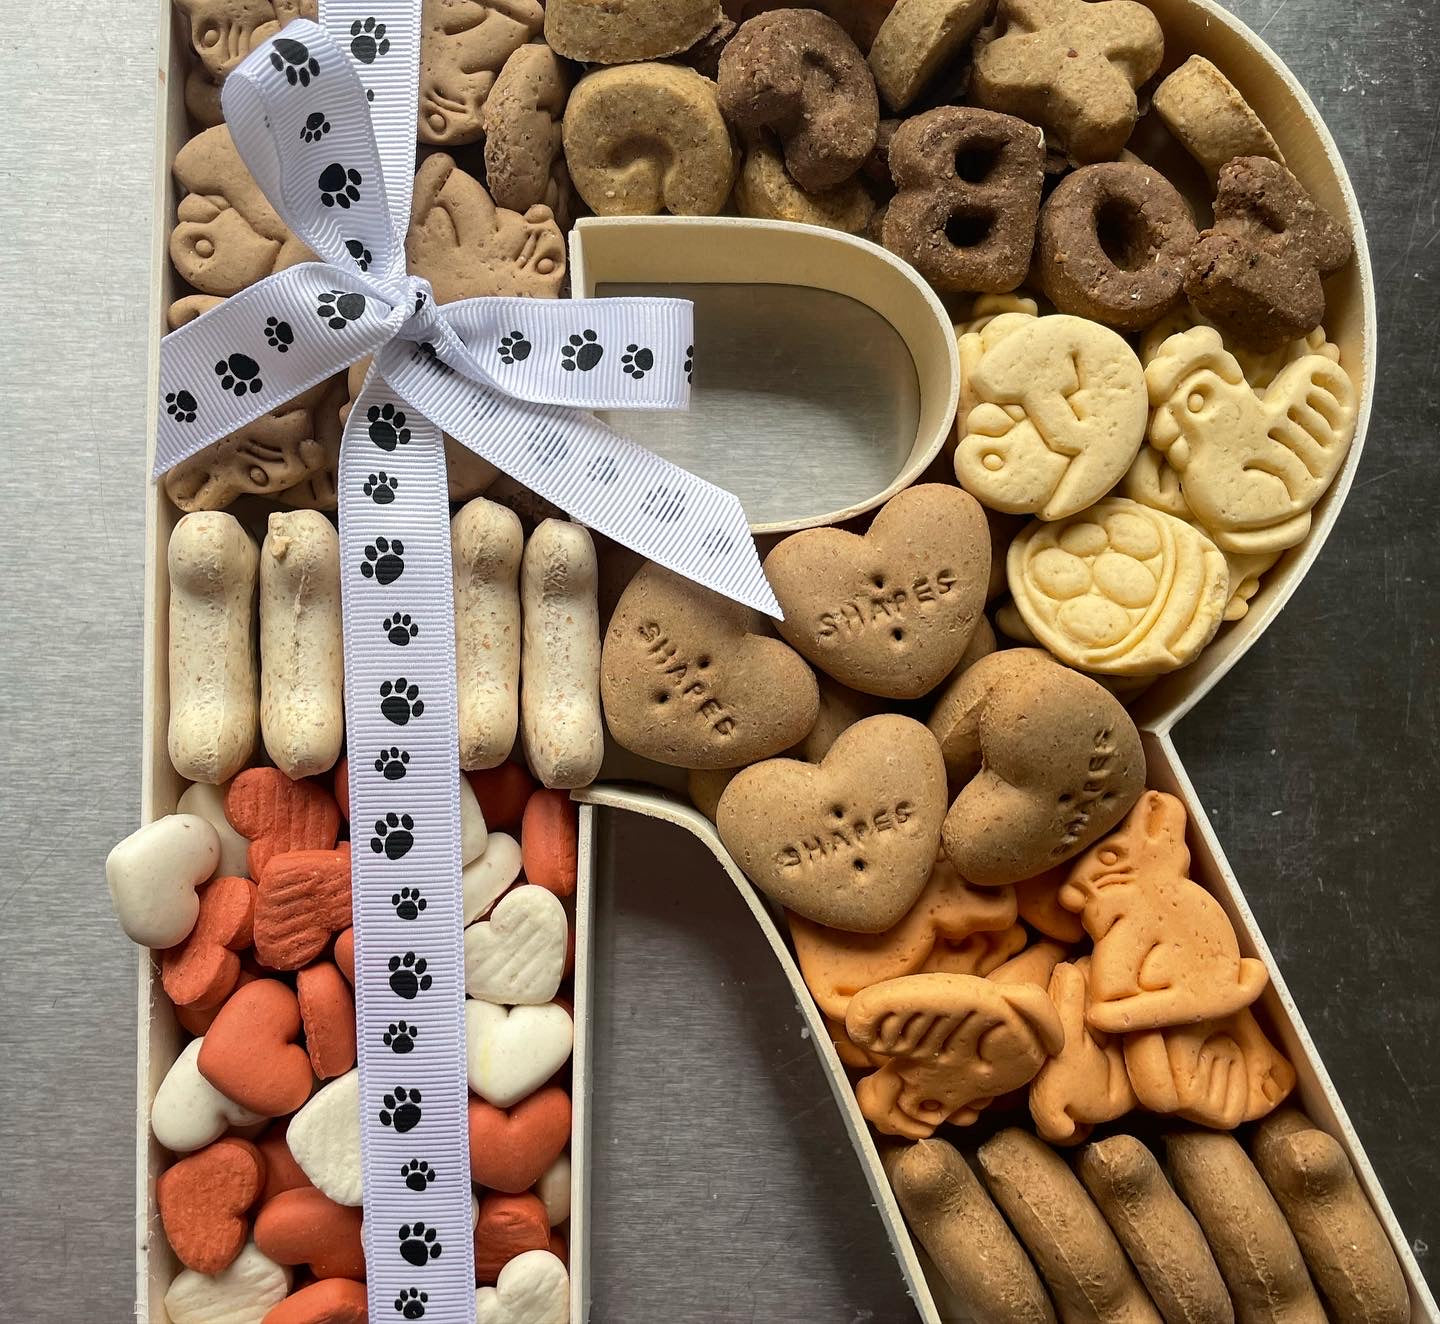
column 1089, row 1277
column 1071, row 66
column 1248, row 1236
column 1165, row 952
column 1159, row 1234
column 956, row 1042
column 1042, row 761
column 485, row 546
column 958, row 1224
column 463, row 46
column 560, row 658
column 645, row 138
column 624, row 31
column 302, row 677
column 214, row 685
column 1343, row 1242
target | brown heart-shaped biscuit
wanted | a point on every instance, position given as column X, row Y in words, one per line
column 684, row 682
column 850, row 842
column 890, row 612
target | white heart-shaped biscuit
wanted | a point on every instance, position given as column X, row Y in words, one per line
column 485, row 881
column 553, row 1188
column 208, row 802
column 153, row 875
column 511, row 1051
column 188, row 1111
column 243, row 1293
column 324, row 1137
column 473, row 833
column 517, row 956
column 533, row 1288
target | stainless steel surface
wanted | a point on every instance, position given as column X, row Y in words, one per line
column 722, row 1197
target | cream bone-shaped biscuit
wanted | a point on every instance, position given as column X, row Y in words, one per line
column 214, row 685
column 302, row 676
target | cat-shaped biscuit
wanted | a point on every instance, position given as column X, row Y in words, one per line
column 224, row 32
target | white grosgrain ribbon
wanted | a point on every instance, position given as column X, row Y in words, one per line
column 324, row 118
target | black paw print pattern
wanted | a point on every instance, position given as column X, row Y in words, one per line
column 410, row 1304
column 362, row 255
column 425, row 350
column 408, row 979
column 602, row 469
column 392, row 763
column 337, row 309
column 400, row 1037
column 384, row 560
column 181, row 406
column 339, row 185
column 636, row 361
column 408, row 903
column 279, row 335
column 399, row 702
column 513, row 348
column 293, row 59
column 418, row 1244
column 380, row 488
column 239, row 374
column 368, row 41
column 399, row 629
column 417, row 1174
column 663, row 504
column 401, row 1109
column 387, row 426
column 316, row 126
column 690, row 363
column 582, row 351
column 393, row 836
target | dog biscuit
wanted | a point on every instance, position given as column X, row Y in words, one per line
column 1208, row 117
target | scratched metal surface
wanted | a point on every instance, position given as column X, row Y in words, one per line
column 727, row 1195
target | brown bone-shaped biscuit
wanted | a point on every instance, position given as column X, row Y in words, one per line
column 685, row 682
column 1256, row 272
column 969, row 184
column 958, row 1041
column 227, row 235
column 848, row 842
column 890, row 612
column 1042, row 761
column 224, row 32
column 522, row 126
column 797, row 72
column 1071, row 66
column 1217, row 1073
column 1165, row 952
column 624, row 31
column 463, row 47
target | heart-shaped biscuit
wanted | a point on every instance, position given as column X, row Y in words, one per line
column 250, row 1055
column 305, row 1226
column 512, row 1051
column 203, row 1200
column 849, row 842
column 188, row 1111
column 517, row 956
column 684, row 682
column 201, row 971
column 153, row 875
column 510, row 1150
column 303, row 897
column 241, row 1294
column 533, row 1288
column 508, row 1227
column 324, row 1137
column 892, row 612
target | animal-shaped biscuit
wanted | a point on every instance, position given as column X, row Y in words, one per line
column 1071, row 66
column 521, row 118
column 1349, row 1255
column 1217, row 1073
column 1041, row 760
column 226, row 235
column 1057, row 414
column 1033, row 964
column 837, row 965
column 985, row 953
column 1085, row 1082
column 1165, row 952
column 848, row 842
column 224, row 32
column 1038, row 902
column 956, row 1041
column 1250, row 466
column 1120, row 589
column 464, row 45
column 890, row 612
column 466, row 246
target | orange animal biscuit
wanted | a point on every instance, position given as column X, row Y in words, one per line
column 1038, row 902
column 329, row 1301
column 202, row 970
column 250, row 1054
column 278, row 815
column 304, row 897
column 979, row 954
column 203, row 1201
column 1034, row 965
column 550, row 842
column 327, row 1010
column 305, row 1226
column 502, row 793
column 510, row 1148
column 509, row 1225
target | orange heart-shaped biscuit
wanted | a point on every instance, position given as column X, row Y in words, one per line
column 305, row 1226
column 203, row 1200
column 278, row 815
column 250, row 1054
column 502, row 794
column 330, row 1301
column 510, row 1148
column 198, row 1020
column 282, row 1173
column 550, row 841
column 304, row 897
column 327, row 1011
column 201, row 972
column 509, row 1226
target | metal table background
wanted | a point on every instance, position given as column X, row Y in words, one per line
column 723, row 1191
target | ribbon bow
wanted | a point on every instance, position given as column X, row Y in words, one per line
column 330, row 139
